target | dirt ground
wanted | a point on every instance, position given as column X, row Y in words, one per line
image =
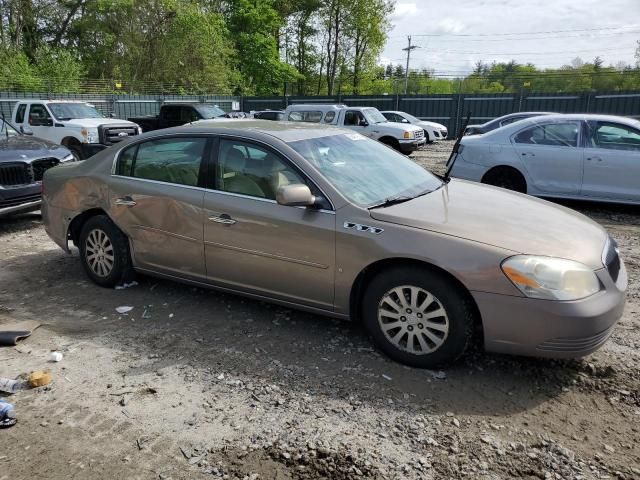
column 198, row 384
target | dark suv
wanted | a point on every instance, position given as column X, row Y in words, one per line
column 23, row 161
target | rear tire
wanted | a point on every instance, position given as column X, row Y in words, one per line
column 506, row 177
column 418, row 317
column 76, row 151
column 104, row 252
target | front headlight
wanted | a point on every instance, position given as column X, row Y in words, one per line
column 551, row 278
column 68, row 158
column 90, row 135
column 409, row 135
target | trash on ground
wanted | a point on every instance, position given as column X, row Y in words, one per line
column 386, row 377
column 55, row 357
column 11, row 333
column 8, row 385
column 147, row 311
column 39, row 378
column 124, row 309
column 7, row 415
column 126, row 285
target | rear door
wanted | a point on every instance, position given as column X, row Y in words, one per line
column 552, row 155
column 612, row 161
column 156, row 198
column 254, row 244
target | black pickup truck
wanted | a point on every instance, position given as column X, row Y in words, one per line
column 176, row 114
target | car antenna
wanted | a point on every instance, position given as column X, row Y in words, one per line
column 454, row 153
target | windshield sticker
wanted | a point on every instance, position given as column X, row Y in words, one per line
column 354, row 136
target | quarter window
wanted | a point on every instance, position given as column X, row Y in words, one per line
column 612, row 136
column 329, row 116
column 171, row 160
column 248, row 169
column 561, row 134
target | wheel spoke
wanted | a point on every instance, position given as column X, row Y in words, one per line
column 387, row 300
column 435, row 314
column 400, row 293
column 390, row 326
column 413, row 297
column 388, row 314
column 428, row 300
column 434, row 338
column 423, row 344
column 441, row 327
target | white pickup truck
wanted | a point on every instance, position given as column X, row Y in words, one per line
column 367, row 121
column 76, row 125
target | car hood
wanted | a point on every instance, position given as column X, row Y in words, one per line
column 437, row 126
column 398, row 127
column 29, row 148
column 504, row 219
column 94, row 122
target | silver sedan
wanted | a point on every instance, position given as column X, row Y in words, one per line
column 589, row 157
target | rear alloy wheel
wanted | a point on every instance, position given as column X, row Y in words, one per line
column 418, row 317
column 508, row 178
column 104, row 252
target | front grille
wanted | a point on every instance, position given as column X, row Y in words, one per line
column 14, row 174
column 575, row 344
column 14, row 201
column 611, row 259
column 41, row 166
column 114, row 134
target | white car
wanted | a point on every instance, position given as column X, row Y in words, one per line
column 432, row 130
column 576, row 156
column 76, row 125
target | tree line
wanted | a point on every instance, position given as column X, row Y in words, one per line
column 243, row 47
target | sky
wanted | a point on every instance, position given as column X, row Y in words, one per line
column 454, row 34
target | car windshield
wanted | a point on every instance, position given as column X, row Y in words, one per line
column 411, row 118
column 7, row 130
column 343, row 159
column 69, row 111
column 210, row 111
column 373, row 115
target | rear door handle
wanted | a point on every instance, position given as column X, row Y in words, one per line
column 597, row 159
column 126, row 201
column 527, row 154
column 224, row 219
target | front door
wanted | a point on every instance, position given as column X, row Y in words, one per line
column 40, row 120
column 156, row 199
column 612, row 162
column 354, row 120
column 552, row 156
column 252, row 243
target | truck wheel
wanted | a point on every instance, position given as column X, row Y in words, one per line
column 418, row 317
column 391, row 142
column 104, row 252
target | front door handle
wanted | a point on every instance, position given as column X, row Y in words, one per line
column 126, row 202
column 224, row 219
column 528, row 154
column 597, row 159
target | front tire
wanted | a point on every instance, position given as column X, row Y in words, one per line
column 104, row 252
column 418, row 317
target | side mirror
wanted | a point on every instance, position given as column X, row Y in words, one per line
column 404, row 120
column 295, row 195
column 26, row 130
column 363, row 123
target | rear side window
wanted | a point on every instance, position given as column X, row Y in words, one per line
column 561, row 134
column 328, row 118
column 171, row 160
column 305, row 116
column 20, row 113
column 171, row 113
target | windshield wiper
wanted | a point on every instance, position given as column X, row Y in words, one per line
column 399, row 199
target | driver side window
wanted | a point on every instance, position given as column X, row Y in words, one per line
column 353, row 118
column 38, row 115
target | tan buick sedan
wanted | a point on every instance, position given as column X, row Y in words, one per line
column 329, row 221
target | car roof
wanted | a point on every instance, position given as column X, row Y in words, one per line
column 284, row 131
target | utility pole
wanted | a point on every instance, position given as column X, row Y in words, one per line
column 406, row 72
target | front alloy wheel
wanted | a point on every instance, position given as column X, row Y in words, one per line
column 418, row 316
column 413, row 320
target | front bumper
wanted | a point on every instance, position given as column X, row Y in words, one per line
column 408, row 146
column 555, row 329
column 20, row 199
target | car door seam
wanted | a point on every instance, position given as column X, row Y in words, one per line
column 267, row 255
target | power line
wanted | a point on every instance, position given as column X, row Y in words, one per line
column 444, row 34
column 517, row 39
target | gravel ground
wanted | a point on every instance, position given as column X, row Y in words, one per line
column 198, row 384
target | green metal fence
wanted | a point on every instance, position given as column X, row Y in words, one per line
column 449, row 110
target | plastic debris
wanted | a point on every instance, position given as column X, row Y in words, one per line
column 386, row 377
column 126, row 285
column 55, row 357
column 124, row 309
column 8, row 385
column 39, row 378
column 7, row 415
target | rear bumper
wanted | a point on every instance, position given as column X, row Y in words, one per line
column 544, row 328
